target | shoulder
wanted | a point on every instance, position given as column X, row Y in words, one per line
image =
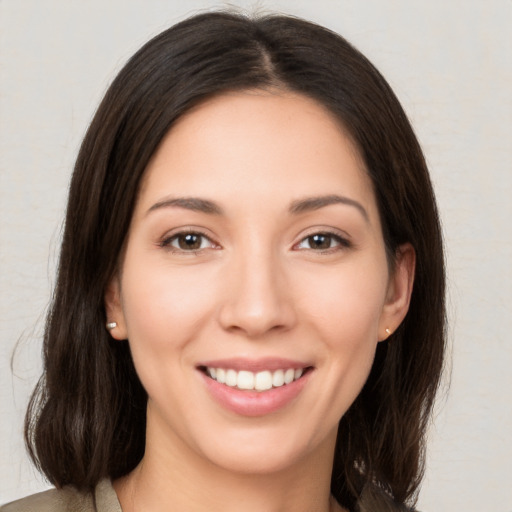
column 68, row 499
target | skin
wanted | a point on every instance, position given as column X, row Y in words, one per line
column 257, row 285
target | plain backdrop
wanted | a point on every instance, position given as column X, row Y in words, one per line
column 450, row 63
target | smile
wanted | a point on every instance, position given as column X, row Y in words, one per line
column 255, row 387
column 254, row 381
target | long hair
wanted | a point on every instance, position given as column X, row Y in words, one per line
column 86, row 418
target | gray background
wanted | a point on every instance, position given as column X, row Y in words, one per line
column 449, row 61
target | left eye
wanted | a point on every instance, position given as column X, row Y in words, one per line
column 321, row 241
column 188, row 242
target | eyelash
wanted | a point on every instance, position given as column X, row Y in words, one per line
column 166, row 243
column 341, row 242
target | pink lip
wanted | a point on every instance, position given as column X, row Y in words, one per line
column 254, row 403
column 254, row 365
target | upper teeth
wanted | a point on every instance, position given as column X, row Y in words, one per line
column 260, row 381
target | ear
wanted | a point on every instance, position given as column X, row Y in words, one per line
column 114, row 309
column 399, row 291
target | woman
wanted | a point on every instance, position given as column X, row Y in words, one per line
column 250, row 301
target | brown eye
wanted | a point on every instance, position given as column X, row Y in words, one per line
column 323, row 242
column 188, row 242
column 320, row 241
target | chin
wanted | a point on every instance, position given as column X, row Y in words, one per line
column 266, row 451
column 257, row 461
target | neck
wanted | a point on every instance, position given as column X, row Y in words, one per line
column 173, row 477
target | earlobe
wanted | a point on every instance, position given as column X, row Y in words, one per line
column 115, row 323
column 399, row 291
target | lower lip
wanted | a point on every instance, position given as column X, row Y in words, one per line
column 255, row 403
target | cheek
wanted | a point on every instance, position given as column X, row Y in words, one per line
column 341, row 312
column 164, row 305
column 344, row 309
column 164, row 308
column 346, row 305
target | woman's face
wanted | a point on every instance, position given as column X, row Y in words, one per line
column 254, row 286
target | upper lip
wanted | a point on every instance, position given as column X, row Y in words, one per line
column 254, row 365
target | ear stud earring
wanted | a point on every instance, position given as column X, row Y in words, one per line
column 388, row 331
column 111, row 325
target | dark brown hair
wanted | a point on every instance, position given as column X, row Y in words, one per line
column 86, row 419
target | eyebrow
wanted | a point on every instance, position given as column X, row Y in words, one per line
column 298, row 206
column 189, row 203
column 315, row 203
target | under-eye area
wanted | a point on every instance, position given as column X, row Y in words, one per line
column 255, row 381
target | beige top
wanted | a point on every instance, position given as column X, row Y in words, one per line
column 68, row 499
column 105, row 499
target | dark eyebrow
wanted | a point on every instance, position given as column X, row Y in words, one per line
column 299, row 206
column 315, row 203
column 190, row 203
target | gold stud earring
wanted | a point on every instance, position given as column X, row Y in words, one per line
column 388, row 331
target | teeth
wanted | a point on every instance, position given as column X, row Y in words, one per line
column 263, row 381
column 289, row 375
column 245, row 380
column 231, row 378
column 260, row 381
column 278, row 378
column 221, row 375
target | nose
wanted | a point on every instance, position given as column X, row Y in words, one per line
column 257, row 296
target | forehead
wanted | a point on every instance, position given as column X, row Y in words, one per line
column 257, row 143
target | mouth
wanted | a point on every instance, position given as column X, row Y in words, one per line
column 255, row 387
column 263, row 380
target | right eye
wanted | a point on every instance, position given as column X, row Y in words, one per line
column 188, row 241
